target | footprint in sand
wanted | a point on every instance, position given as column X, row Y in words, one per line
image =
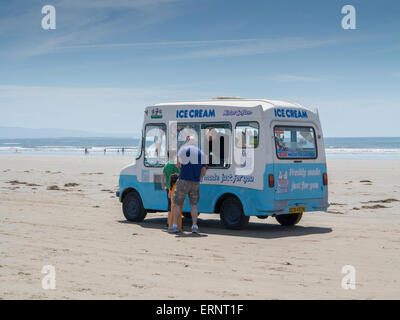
column 50, row 172
column 390, row 200
column 71, row 184
column 56, row 188
column 92, row 173
column 334, row 212
column 15, row 182
column 376, row 206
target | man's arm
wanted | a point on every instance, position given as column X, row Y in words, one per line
column 203, row 172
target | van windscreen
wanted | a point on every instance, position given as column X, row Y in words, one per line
column 295, row 142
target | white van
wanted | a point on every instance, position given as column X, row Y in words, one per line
column 265, row 158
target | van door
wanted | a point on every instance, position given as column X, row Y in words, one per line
column 298, row 166
column 154, row 158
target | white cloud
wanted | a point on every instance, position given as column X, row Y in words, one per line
column 294, row 78
column 79, row 22
column 103, row 4
column 222, row 48
column 91, row 109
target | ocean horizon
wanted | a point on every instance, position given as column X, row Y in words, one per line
column 373, row 148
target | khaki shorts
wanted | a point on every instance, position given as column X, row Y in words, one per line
column 184, row 188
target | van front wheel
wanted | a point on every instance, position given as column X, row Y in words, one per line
column 132, row 207
column 289, row 219
column 232, row 215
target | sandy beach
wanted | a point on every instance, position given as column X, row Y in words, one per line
column 62, row 211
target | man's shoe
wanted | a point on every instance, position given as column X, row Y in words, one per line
column 195, row 229
column 173, row 230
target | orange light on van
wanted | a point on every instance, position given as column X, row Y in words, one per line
column 325, row 179
column 271, row 180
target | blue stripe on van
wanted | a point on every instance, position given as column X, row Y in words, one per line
column 255, row 202
column 299, row 180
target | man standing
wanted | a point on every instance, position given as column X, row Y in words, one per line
column 192, row 165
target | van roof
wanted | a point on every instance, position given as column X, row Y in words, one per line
column 238, row 102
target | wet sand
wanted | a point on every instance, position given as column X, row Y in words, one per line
column 62, row 211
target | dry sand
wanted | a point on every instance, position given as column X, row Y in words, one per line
column 62, row 211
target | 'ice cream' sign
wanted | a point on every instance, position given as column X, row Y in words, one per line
column 290, row 113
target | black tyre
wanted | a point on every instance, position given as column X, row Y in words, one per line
column 289, row 219
column 232, row 215
column 132, row 207
column 262, row 217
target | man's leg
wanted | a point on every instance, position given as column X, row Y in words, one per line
column 169, row 207
column 178, row 199
column 194, row 197
column 177, row 210
column 194, row 212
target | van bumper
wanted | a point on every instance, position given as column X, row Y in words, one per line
column 283, row 206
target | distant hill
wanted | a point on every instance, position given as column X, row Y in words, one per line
column 22, row 133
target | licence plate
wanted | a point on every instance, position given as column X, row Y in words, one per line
column 297, row 209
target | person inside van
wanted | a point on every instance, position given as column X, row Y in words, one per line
column 192, row 164
column 169, row 169
column 213, row 147
column 279, row 143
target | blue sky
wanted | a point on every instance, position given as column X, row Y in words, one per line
column 107, row 60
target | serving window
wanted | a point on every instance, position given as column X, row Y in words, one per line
column 214, row 139
column 216, row 144
column 247, row 135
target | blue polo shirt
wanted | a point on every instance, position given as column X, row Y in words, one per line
column 192, row 160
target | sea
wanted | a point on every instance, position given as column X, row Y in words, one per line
column 374, row 148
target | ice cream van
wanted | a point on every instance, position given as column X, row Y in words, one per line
column 264, row 158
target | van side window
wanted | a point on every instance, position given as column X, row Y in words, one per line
column 216, row 144
column 246, row 135
column 295, row 142
column 155, row 145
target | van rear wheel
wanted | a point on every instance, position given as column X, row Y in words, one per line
column 232, row 216
column 289, row 219
column 132, row 207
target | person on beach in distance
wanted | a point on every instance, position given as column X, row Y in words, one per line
column 169, row 169
column 192, row 164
